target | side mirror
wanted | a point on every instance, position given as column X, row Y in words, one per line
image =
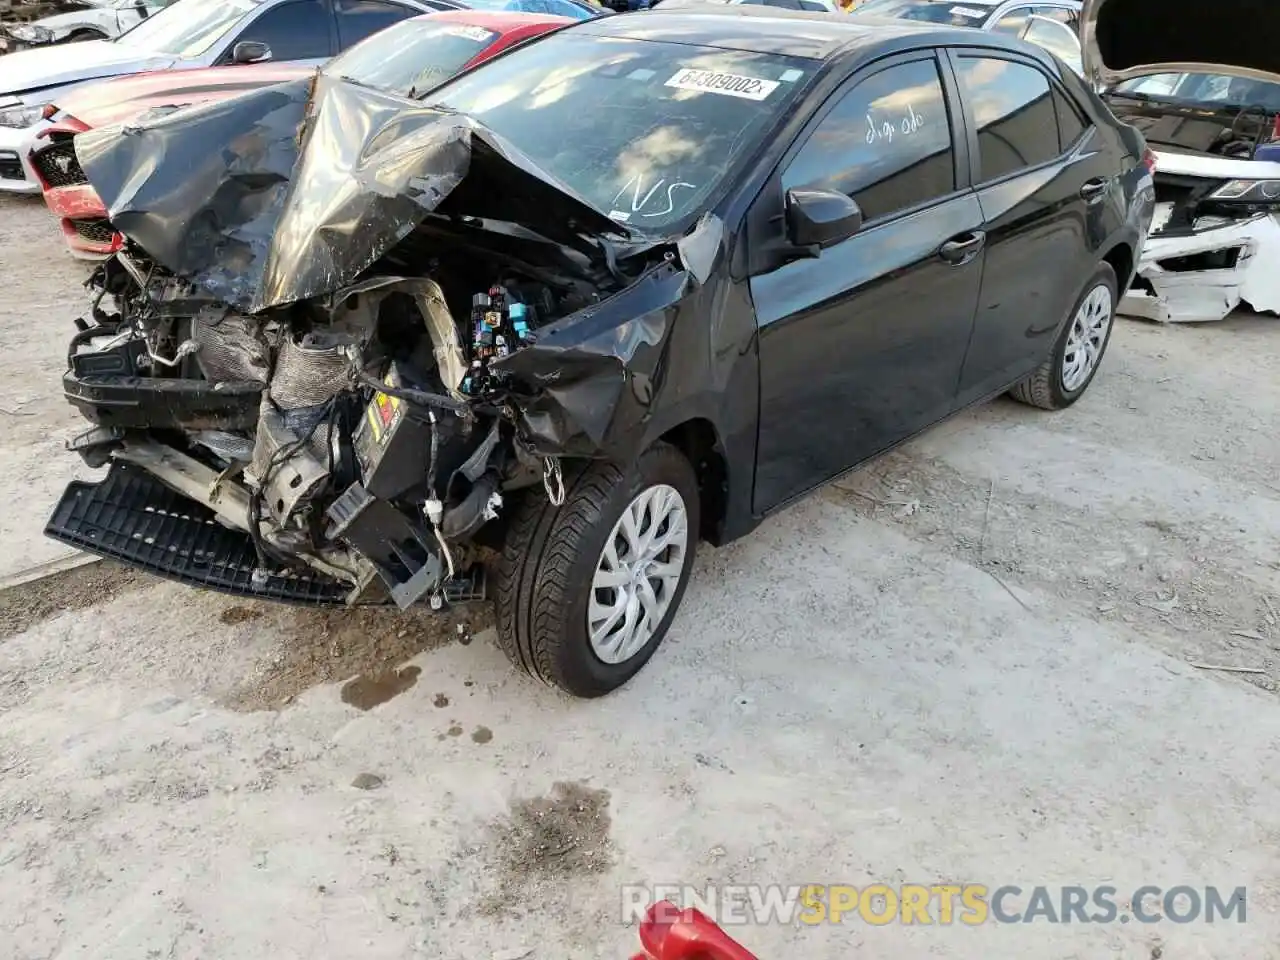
column 250, row 51
column 819, row 218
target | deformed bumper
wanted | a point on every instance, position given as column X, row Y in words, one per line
column 83, row 221
column 1204, row 274
column 132, row 517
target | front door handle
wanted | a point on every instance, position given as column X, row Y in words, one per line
column 962, row 249
column 1092, row 190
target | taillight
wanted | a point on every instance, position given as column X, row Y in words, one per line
column 1275, row 129
column 1149, row 160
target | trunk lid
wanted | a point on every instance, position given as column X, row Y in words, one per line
column 1122, row 39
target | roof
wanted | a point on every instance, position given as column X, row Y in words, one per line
column 762, row 29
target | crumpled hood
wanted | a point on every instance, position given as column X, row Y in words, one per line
column 58, row 65
column 1131, row 38
column 291, row 191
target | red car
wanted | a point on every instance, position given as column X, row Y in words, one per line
column 408, row 58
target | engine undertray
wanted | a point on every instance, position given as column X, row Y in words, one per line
column 132, row 517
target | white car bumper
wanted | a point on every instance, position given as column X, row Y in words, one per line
column 16, row 174
column 1205, row 274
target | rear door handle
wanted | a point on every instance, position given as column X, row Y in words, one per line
column 1092, row 190
column 963, row 248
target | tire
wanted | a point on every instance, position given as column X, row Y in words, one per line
column 79, row 35
column 1048, row 387
column 549, row 559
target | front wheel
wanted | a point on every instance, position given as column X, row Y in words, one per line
column 81, row 35
column 1063, row 378
column 587, row 590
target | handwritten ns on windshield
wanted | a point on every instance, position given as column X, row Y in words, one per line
column 883, row 129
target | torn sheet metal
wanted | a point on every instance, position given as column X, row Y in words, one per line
column 1182, row 295
column 316, row 179
column 586, row 394
column 356, row 308
column 589, row 391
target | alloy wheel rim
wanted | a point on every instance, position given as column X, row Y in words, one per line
column 1088, row 336
column 637, row 573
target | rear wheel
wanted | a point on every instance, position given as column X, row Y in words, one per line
column 588, row 590
column 1072, row 364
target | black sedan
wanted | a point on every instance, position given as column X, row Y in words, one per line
column 629, row 287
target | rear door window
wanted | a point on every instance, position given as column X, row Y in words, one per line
column 1057, row 39
column 886, row 143
column 358, row 19
column 298, row 30
column 1012, row 105
column 1064, row 15
column 1013, row 22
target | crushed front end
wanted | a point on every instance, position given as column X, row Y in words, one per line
column 1214, row 241
column 339, row 451
column 323, row 365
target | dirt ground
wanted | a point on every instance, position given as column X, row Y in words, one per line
column 986, row 658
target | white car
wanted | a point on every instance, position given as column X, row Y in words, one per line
column 1209, row 107
column 1052, row 24
column 95, row 20
column 185, row 35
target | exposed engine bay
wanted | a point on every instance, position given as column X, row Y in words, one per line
column 364, row 438
column 367, row 436
column 1217, row 191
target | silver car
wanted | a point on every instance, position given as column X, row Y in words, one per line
column 1052, row 24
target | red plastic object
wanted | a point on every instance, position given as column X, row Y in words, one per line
column 669, row 933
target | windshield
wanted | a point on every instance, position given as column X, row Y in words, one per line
column 1206, row 88
column 931, row 11
column 187, row 28
column 642, row 130
column 412, row 56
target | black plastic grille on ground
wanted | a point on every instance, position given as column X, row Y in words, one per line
column 132, row 517
column 58, row 165
column 95, row 231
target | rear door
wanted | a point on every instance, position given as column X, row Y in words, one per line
column 862, row 344
column 1041, row 181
